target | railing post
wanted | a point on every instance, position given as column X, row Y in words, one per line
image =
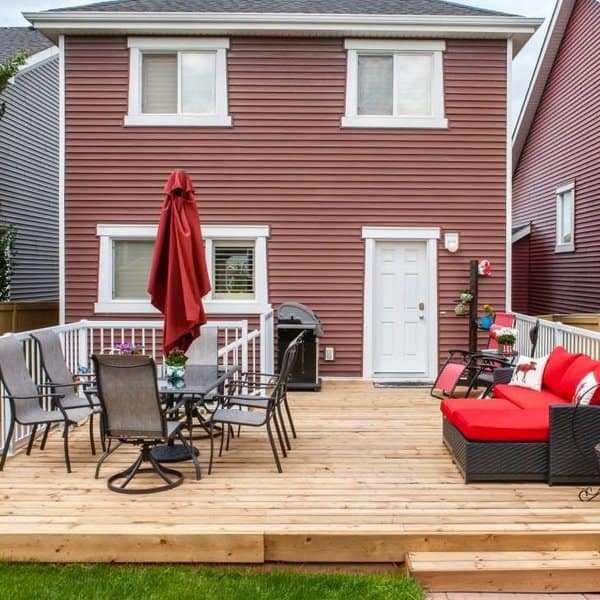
column 83, row 354
column 245, row 346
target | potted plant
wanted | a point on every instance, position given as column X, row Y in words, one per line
column 488, row 316
column 466, row 297
column 506, row 338
column 175, row 364
column 128, row 348
column 460, row 310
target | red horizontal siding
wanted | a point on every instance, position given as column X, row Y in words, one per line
column 287, row 162
column 563, row 145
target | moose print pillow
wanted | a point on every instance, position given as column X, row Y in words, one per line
column 528, row 372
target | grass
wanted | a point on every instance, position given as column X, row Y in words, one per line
column 159, row 582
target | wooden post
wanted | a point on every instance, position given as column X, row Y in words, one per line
column 473, row 325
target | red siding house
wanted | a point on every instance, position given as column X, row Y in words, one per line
column 334, row 144
column 556, row 197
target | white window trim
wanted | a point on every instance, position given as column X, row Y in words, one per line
column 138, row 45
column 355, row 47
column 561, row 247
column 107, row 233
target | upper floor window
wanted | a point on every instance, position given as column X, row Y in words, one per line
column 565, row 218
column 178, row 81
column 395, row 84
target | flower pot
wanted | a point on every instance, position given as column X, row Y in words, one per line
column 506, row 348
column 485, row 322
column 175, row 372
column 460, row 310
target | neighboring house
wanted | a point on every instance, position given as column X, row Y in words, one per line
column 556, row 193
column 29, row 163
column 333, row 144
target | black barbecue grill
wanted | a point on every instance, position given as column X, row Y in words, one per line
column 292, row 318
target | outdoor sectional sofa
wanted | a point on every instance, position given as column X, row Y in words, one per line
column 525, row 435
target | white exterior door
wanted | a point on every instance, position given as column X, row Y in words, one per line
column 400, row 322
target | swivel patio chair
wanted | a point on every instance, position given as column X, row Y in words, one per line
column 128, row 392
column 462, row 366
column 61, row 380
column 230, row 412
column 26, row 401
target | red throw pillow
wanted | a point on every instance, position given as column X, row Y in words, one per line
column 556, row 365
column 588, row 390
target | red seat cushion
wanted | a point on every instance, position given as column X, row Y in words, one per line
column 479, row 425
column 449, row 406
column 558, row 362
column 523, row 397
column 573, row 375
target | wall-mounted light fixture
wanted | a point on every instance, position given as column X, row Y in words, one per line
column 451, row 242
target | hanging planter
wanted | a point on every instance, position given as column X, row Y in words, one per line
column 461, row 310
column 466, row 297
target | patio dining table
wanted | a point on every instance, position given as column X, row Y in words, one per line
column 196, row 388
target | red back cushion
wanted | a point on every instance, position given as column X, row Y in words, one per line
column 575, row 372
column 558, row 362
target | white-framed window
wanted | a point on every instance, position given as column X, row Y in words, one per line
column 395, row 83
column 236, row 256
column 565, row 218
column 178, row 82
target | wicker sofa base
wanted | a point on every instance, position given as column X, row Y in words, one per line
column 496, row 461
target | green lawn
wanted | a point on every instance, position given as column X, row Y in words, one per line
column 149, row 582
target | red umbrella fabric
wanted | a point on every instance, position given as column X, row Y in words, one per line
column 178, row 275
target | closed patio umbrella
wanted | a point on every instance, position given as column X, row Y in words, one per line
column 178, row 275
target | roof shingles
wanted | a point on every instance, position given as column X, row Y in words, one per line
column 13, row 39
column 368, row 7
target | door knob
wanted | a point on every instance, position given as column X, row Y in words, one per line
column 421, row 305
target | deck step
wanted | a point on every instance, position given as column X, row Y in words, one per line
column 506, row 571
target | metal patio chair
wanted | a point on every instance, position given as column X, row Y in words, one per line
column 268, row 411
column 61, row 380
column 26, row 401
column 128, row 392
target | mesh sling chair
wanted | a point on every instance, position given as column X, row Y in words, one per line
column 257, row 384
column 25, row 399
column 128, row 392
column 61, row 380
column 462, row 366
column 230, row 411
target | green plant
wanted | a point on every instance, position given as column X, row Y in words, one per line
column 460, row 310
column 176, row 358
column 7, row 250
column 506, row 336
column 466, row 297
column 8, row 69
column 488, row 309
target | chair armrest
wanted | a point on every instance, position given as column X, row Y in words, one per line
column 502, row 375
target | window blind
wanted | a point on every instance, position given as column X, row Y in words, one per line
column 159, row 83
column 233, row 269
column 131, row 266
column 375, row 85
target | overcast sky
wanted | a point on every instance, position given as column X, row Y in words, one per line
column 10, row 15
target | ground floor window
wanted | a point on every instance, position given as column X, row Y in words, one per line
column 236, row 257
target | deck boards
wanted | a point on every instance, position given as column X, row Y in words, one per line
column 368, row 480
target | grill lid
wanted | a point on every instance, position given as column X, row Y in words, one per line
column 294, row 313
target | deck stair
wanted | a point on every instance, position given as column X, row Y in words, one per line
column 556, row 571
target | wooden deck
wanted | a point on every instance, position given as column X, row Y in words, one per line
column 368, row 480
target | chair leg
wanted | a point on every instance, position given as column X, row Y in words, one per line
column 31, row 439
column 11, row 429
column 104, row 456
column 222, row 439
column 66, row 446
column 45, row 437
column 273, row 448
column 289, row 416
column 279, row 436
column 281, row 421
column 192, row 452
column 212, row 446
column 92, row 443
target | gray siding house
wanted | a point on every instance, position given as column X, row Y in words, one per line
column 29, row 168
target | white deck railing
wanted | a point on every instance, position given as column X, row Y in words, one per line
column 250, row 350
column 554, row 333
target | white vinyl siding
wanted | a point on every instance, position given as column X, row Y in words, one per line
column 565, row 218
column 178, row 82
column 395, row 84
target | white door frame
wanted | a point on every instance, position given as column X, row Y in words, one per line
column 371, row 235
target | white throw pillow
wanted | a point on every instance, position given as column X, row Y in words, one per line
column 528, row 372
column 587, row 391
